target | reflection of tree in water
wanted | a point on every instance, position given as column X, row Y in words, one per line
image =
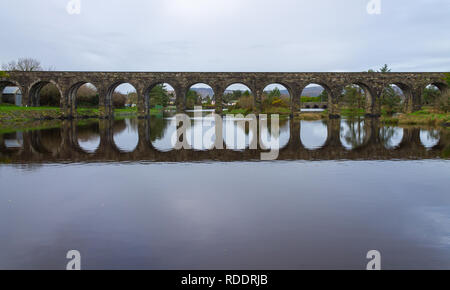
column 158, row 126
column 88, row 132
column 51, row 139
column 433, row 134
column 119, row 126
column 355, row 133
column 386, row 134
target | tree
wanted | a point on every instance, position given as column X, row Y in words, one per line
column 324, row 96
column 159, row 96
column 447, row 78
column 23, row 64
column 390, row 99
column 385, row 69
column 354, row 97
column 3, row 74
column 430, row 95
column 192, row 99
column 119, row 100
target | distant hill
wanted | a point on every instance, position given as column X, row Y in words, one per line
column 308, row 92
column 204, row 92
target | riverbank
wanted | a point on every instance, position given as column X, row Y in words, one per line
column 13, row 116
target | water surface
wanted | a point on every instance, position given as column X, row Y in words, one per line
column 118, row 192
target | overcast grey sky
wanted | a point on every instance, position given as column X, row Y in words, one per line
column 228, row 35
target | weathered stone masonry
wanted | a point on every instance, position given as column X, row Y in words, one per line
column 68, row 83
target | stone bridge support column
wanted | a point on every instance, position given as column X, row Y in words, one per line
column 373, row 103
column 218, row 89
column 180, row 101
column 333, row 103
column 105, row 103
column 295, row 101
column 257, row 100
column 415, row 104
column 143, row 103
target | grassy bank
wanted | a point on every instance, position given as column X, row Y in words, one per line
column 10, row 113
column 424, row 117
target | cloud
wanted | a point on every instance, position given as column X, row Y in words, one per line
column 228, row 35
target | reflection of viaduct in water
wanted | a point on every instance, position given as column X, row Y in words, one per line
column 68, row 83
column 67, row 149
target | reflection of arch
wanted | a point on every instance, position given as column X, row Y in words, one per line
column 129, row 125
column 430, row 139
column 35, row 89
column 88, row 138
column 359, row 134
column 391, row 137
column 312, row 130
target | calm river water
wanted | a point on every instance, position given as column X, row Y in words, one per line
column 117, row 192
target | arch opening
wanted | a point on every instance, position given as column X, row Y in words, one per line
column 200, row 94
column 238, row 98
column 276, row 98
column 433, row 97
column 394, row 98
column 314, row 97
column 45, row 94
column 356, row 100
column 158, row 98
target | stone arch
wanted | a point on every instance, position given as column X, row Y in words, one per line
column 106, row 102
column 282, row 84
column 71, row 95
column 230, row 85
column 372, row 107
column 440, row 86
column 407, row 91
column 328, row 90
column 35, row 89
column 196, row 83
column 148, row 90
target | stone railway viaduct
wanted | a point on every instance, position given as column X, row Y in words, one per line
column 68, row 83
